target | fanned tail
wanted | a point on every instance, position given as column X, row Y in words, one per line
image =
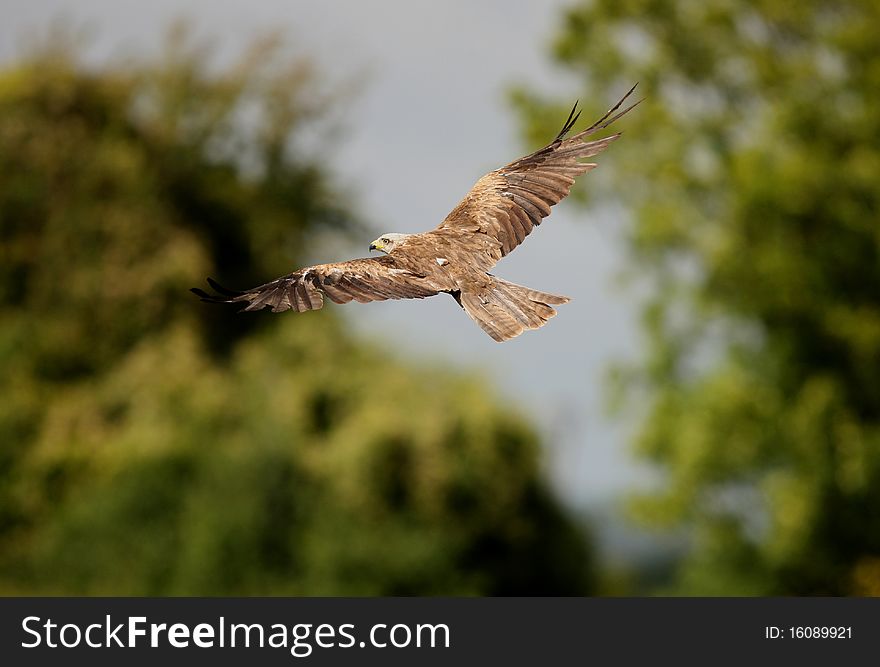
column 508, row 309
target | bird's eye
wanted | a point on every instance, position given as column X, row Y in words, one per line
column 385, row 241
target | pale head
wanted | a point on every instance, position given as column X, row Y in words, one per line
column 388, row 242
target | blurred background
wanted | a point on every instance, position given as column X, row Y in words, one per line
column 702, row 419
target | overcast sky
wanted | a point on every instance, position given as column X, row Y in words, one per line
column 429, row 119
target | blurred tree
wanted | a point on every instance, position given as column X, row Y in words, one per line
column 152, row 445
column 751, row 172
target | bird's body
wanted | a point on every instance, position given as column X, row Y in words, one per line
column 496, row 215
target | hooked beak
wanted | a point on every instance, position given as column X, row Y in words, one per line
column 373, row 247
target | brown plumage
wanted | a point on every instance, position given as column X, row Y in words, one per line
column 502, row 208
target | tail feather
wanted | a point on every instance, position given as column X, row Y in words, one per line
column 508, row 309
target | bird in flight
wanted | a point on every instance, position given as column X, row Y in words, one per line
column 494, row 218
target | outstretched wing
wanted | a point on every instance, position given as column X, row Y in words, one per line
column 506, row 204
column 370, row 279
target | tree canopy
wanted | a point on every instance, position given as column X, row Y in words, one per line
column 150, row 444
column 749, row 175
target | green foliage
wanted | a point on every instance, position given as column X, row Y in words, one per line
column 751, row 175
column 150, row 444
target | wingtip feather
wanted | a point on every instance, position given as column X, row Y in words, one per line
column 223, row 290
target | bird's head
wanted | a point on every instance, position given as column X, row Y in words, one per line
column 387, row 242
